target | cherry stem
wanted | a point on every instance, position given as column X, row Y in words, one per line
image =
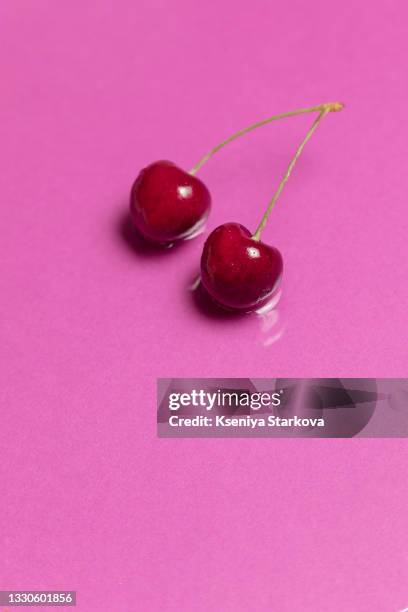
column 331, row 106
column 324, row 110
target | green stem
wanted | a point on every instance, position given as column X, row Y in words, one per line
column 323, row 112
column 330, row 106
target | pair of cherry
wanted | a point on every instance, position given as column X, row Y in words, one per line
column 168, row 204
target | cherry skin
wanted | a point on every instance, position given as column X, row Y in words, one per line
column 237, row 271
column 167, row 203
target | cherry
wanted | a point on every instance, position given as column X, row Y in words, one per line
column 167, row 203
column 237, row 269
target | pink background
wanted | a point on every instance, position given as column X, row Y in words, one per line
column 90, row 498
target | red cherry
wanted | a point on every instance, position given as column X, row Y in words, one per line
column 238, row 271
column 167, row 203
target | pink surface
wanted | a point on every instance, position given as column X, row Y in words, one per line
column 91, row 499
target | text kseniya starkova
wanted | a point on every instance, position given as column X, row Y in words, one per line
column 221, row 400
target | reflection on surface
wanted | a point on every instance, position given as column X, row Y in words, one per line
column 268, row 319
column 195, row 284
column 272, row 327
column 196, row 230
